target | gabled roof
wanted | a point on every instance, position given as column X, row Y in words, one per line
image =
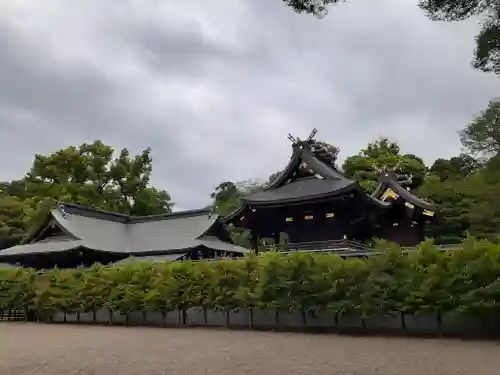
column 106, row 231
column 7, row 265
column 302, row 153
column 324, row 182
column 42, row 248
column 389, row 181
column 208, row 242
column 151, row 258
column 297, row 190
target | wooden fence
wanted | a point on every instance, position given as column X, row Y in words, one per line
column 421, row 324
column 12, row 315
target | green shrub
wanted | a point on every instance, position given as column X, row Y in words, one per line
column 466, row 279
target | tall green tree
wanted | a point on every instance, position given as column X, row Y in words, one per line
column 467, row 204
column 484, row 216
column 17, row 210
column 226, row 197
column 454, row 199
column 482, row 135
column 455, row 168
column 379, row 154
column 14, row 217
column 89, row 175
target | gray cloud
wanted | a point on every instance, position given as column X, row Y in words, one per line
column 214, row 87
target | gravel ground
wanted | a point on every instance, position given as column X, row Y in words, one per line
column 29, row 348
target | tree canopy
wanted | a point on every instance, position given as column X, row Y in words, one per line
column 89, row 174
column 379, row 154
column 482, row 135
column 454, row 168
column 317, row 7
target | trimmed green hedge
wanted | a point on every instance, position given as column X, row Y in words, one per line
column 463, row 280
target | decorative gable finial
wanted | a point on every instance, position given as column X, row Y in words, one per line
column 311, row 136
column 212, row 210
column 297, row 140
column 377, row 169
column 398, row 164
column 292, row 138
column 63, row 211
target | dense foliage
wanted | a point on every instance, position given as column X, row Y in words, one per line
column 463, row 280
column 91, row 175
column 382, row 153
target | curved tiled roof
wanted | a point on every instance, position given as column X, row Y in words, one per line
column 328, row 182
column 388, row 180
column 44, row 247
column 309, row 188
column 106, row 231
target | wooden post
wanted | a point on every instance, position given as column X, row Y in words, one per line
column 255, row 242
column 250, row 318
column 277, row 238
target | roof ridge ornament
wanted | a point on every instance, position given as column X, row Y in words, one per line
column 63, row 211
column 293, row 139
column 386, row 174
column 311, row 135
column 212, row 210
column 297, row 140
column 377, row 168
column 398, row 164
column 391, row 170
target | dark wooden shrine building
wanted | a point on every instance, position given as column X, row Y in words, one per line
column 73, row 235
column 404, row 223
column 312, row 202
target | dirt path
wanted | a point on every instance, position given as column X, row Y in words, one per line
column 91, row 350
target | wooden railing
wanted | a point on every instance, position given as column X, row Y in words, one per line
column 318, row 245
column 345, row 248
column 12, row 315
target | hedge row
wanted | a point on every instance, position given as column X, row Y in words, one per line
column 463, row 280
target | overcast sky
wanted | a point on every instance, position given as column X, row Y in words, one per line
column 215, row 86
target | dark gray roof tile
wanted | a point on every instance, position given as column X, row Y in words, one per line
column 151, row 258
column 169, row 234
column 8, row 265
column 299, row 190
column 214, row 243
column 103, row 231
column 42, row 247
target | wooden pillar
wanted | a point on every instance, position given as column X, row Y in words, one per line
column 277, row 238
column 421, row 230
column 255, row 242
